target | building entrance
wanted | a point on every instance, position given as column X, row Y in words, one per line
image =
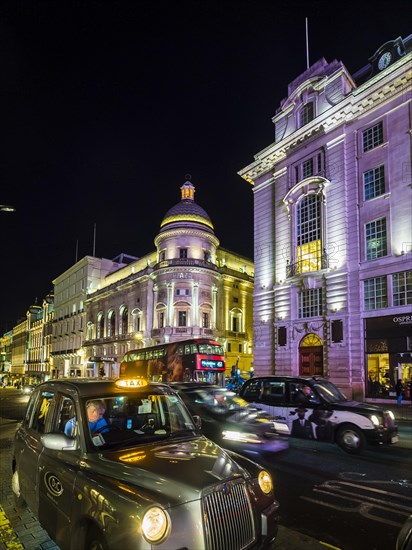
column 311, row 356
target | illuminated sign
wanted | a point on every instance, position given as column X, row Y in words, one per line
column 131, row 382
column 212, row 364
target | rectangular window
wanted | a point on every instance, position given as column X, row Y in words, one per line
column 372, row 137
column 313, row 166
column 183, row 253
column 306, row 114
column 282, row 336
column 229, row 347
column 205, row 320
column 376, row 241
column 310, row 303
column 375, row 293
column 374, row 182
column 337, row 331
column 182, row 318
column 234, row 324
column 402, row 288
column 307, row 168
column 161, row 319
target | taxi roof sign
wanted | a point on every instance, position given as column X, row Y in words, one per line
column 131, row 382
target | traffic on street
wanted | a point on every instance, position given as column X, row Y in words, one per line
column 327, row 497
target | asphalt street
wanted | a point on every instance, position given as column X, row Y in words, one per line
column 20, row 530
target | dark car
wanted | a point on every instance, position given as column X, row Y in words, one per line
column 404, row 538
column 314, row 408
column 230, row 421
column 107, row 465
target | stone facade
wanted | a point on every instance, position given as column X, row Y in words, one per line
column 333, row 226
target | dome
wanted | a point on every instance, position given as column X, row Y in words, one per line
column 187, row 210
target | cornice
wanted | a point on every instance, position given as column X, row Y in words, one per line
column 177, row 232
column 375, row 92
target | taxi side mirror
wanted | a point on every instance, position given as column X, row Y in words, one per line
column 198, row 421
column 59, row 442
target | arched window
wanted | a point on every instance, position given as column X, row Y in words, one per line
column 236, row 320
column 90, row 330
column 100, row 325
column 111, row 325
column 309, row 234
column 124, row 321
column 305, row 203
column 306, row 114
column 137, row 320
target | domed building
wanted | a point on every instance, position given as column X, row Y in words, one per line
column 189, row 287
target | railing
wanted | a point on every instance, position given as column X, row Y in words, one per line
column 297, row 267
column 184, row 262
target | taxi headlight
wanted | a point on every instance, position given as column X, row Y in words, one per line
column 265, row 482
column 155, row 525
column 375, row 420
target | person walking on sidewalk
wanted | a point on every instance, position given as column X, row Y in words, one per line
column 399, row 392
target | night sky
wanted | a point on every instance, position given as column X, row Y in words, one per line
column 106, row 106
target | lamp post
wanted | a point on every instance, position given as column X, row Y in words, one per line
column 7, row 208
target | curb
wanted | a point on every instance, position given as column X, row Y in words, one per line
column 8, row 538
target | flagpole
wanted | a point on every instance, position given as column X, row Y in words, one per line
column 307, row 44
column 94, row 241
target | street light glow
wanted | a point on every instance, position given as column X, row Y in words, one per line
column 7, row 208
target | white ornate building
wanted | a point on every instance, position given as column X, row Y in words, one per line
column 187, row 287
column 333, row 227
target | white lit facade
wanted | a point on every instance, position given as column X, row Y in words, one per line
column 333, row 227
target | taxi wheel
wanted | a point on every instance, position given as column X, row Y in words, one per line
column 95, row 540
column 350, row 439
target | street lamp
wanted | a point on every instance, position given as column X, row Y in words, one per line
column 7, row 208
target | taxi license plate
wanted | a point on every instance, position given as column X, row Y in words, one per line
column 394, row 439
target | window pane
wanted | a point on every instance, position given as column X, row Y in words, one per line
column 376, row 239
column 372, row 137
column 374, row 182
column 402, row 288
column 306, row 114
column 375, row 293
column 310, row 303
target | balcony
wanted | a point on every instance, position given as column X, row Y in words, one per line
column 233, row 334
column 184, row 262
column 306, row 266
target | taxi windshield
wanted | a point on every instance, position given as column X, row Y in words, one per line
column 136, row 417
column 329, row 392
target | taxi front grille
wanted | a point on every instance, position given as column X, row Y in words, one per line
column 228, row 517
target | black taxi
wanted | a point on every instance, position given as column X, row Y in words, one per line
column 106, row 464
column 314, row 408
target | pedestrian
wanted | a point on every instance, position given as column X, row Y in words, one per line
column 399, row 392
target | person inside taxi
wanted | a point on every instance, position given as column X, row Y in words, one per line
column 95, row 411
column 304, row 395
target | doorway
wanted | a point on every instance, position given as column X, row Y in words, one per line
column 311, row 356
